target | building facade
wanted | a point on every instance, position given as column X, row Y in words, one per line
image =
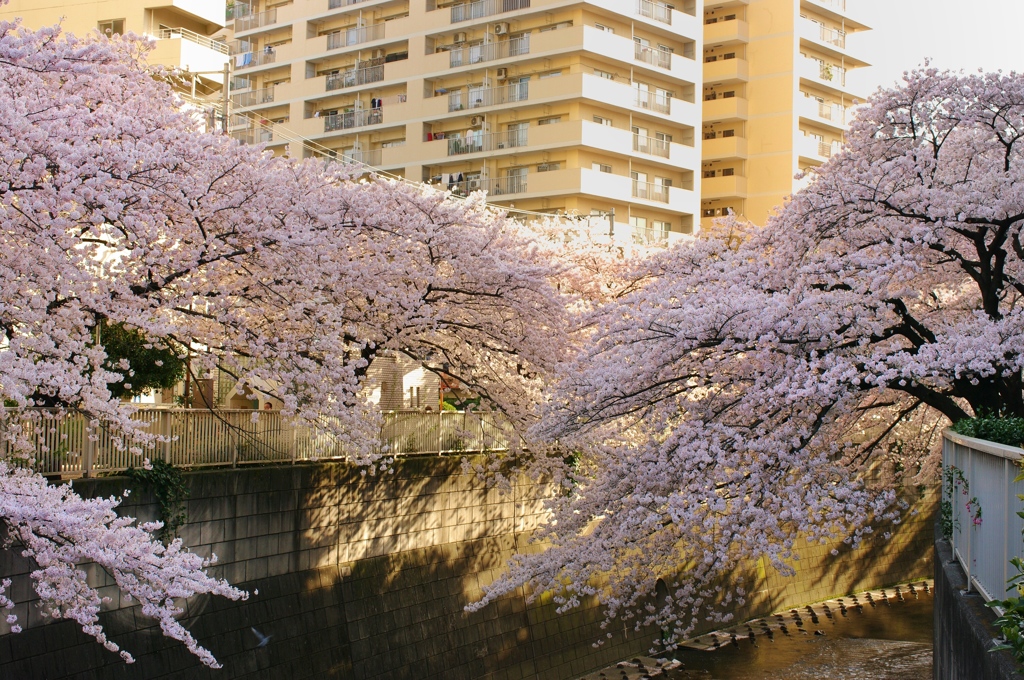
column 775, row 99
column 570, row 106
column 185, row 32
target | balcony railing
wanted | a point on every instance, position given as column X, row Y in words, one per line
column 247, row 59
column 830, row 72
column 485, row 8
column 652, row 100
column 834, row 4
column 356, row 76
column 263, row 96
column 253, row 136
column 650, row 236
column 653, row 55
column 353, row 119
column 251, row 21
column 650, row 191
column 502, row 49
column 354, row 36
column 650, row 145
column 833, row 112
column 335, row 4
column 471, row 99
column 370, row 157
column 192, row 36
column 658, row 11
column 503, row 186
column 832, row 36
column 474, row 143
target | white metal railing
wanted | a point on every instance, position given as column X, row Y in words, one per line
column 829, row 72
column 500, row 186
column 192, row 36
column 251, row 21
column 354, row 36
column 371, row 157
column 650, row 191
column 356, row 76
column 198, row 438
column 485, row 8
column 984, row 543
column 835, row 4
column 501, row 49
column 650, row 145
column 335, row 4
column 653, row 55
column 658, row 11
column 254, row 135
column 646, row 99
column 473, row 143
column 650, row 236
column 475, row 98
column 254, row 97
column 832, row 36
column 353, row 119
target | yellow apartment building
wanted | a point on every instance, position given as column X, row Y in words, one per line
column 183, row 30
column 775, row 98
column 570, row 106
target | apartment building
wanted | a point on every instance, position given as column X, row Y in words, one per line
column 184, row 31
column 571, row 106
column 775, row 98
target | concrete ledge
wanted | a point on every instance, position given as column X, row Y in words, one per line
column 964, row 630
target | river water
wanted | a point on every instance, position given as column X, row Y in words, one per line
column 890, row 641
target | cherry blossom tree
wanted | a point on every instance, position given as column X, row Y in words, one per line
column 761, row 381
column 289, row 275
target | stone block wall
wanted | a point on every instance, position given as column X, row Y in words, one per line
column 364, row 577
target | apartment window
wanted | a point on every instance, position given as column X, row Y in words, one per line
column 604, row 74
column 600, row 120
column 710, row 58
column 711, row 20
column 663, row 181
column 548, row 167
column 550, row 74
column 392, row 143
column 709, row 135
column 707, row 212
column 729, row 55
column 562, row 24
column 661, row 227
column 662, row 137
column 111, row 27
column 728, row 133
column 638, row 222
column 606, row 29
column 729, row 17
column 708, row 174
column 729, row 95
column 728, row 172
column 549, row 121
column 601, row 167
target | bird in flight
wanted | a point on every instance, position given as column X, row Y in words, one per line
column 261, row 638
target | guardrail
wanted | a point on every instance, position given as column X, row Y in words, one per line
column 192, row 36
column 204, row 438
column 984, row 540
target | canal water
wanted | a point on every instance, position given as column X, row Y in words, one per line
column 865, row 639
column 889, row 641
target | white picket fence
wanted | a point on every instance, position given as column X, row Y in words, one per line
column 984, row 547
column 203, row 438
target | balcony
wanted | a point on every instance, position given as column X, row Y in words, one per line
column 726, row 70
column 649, row 191
column 259, row 58
column 354, row 36
column 335, row 4
column 832, row 114
column 659, row 11
column 254, row 136
column 731, row 186
column 187, row 49
column 653, row 56
column 502, row 49
column 494, row 141
column 485, row 8
column 475, row 98
column 814, row 149
column 724, row 108
column 355, row 76
column 353, row 119
column 253, row 98
column 724, row 147
column 651, row 145
column 645, row 99
column 823, row 72
column 249, row 22
column 726, row 32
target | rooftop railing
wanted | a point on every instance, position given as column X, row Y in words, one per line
column 200, row 438
column 192, row 36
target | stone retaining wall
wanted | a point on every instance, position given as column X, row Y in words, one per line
column 363, row 577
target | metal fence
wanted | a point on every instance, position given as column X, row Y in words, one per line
column 202, row 438
column 984, row 543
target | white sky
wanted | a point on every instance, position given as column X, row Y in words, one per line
column 955, row 34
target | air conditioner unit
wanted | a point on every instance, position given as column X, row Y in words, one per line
column 502, row 74
column 460, row 37
column 474, row 184
column 476, row 121
column 501, row 28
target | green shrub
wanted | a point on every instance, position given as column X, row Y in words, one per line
column 1008, row 431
